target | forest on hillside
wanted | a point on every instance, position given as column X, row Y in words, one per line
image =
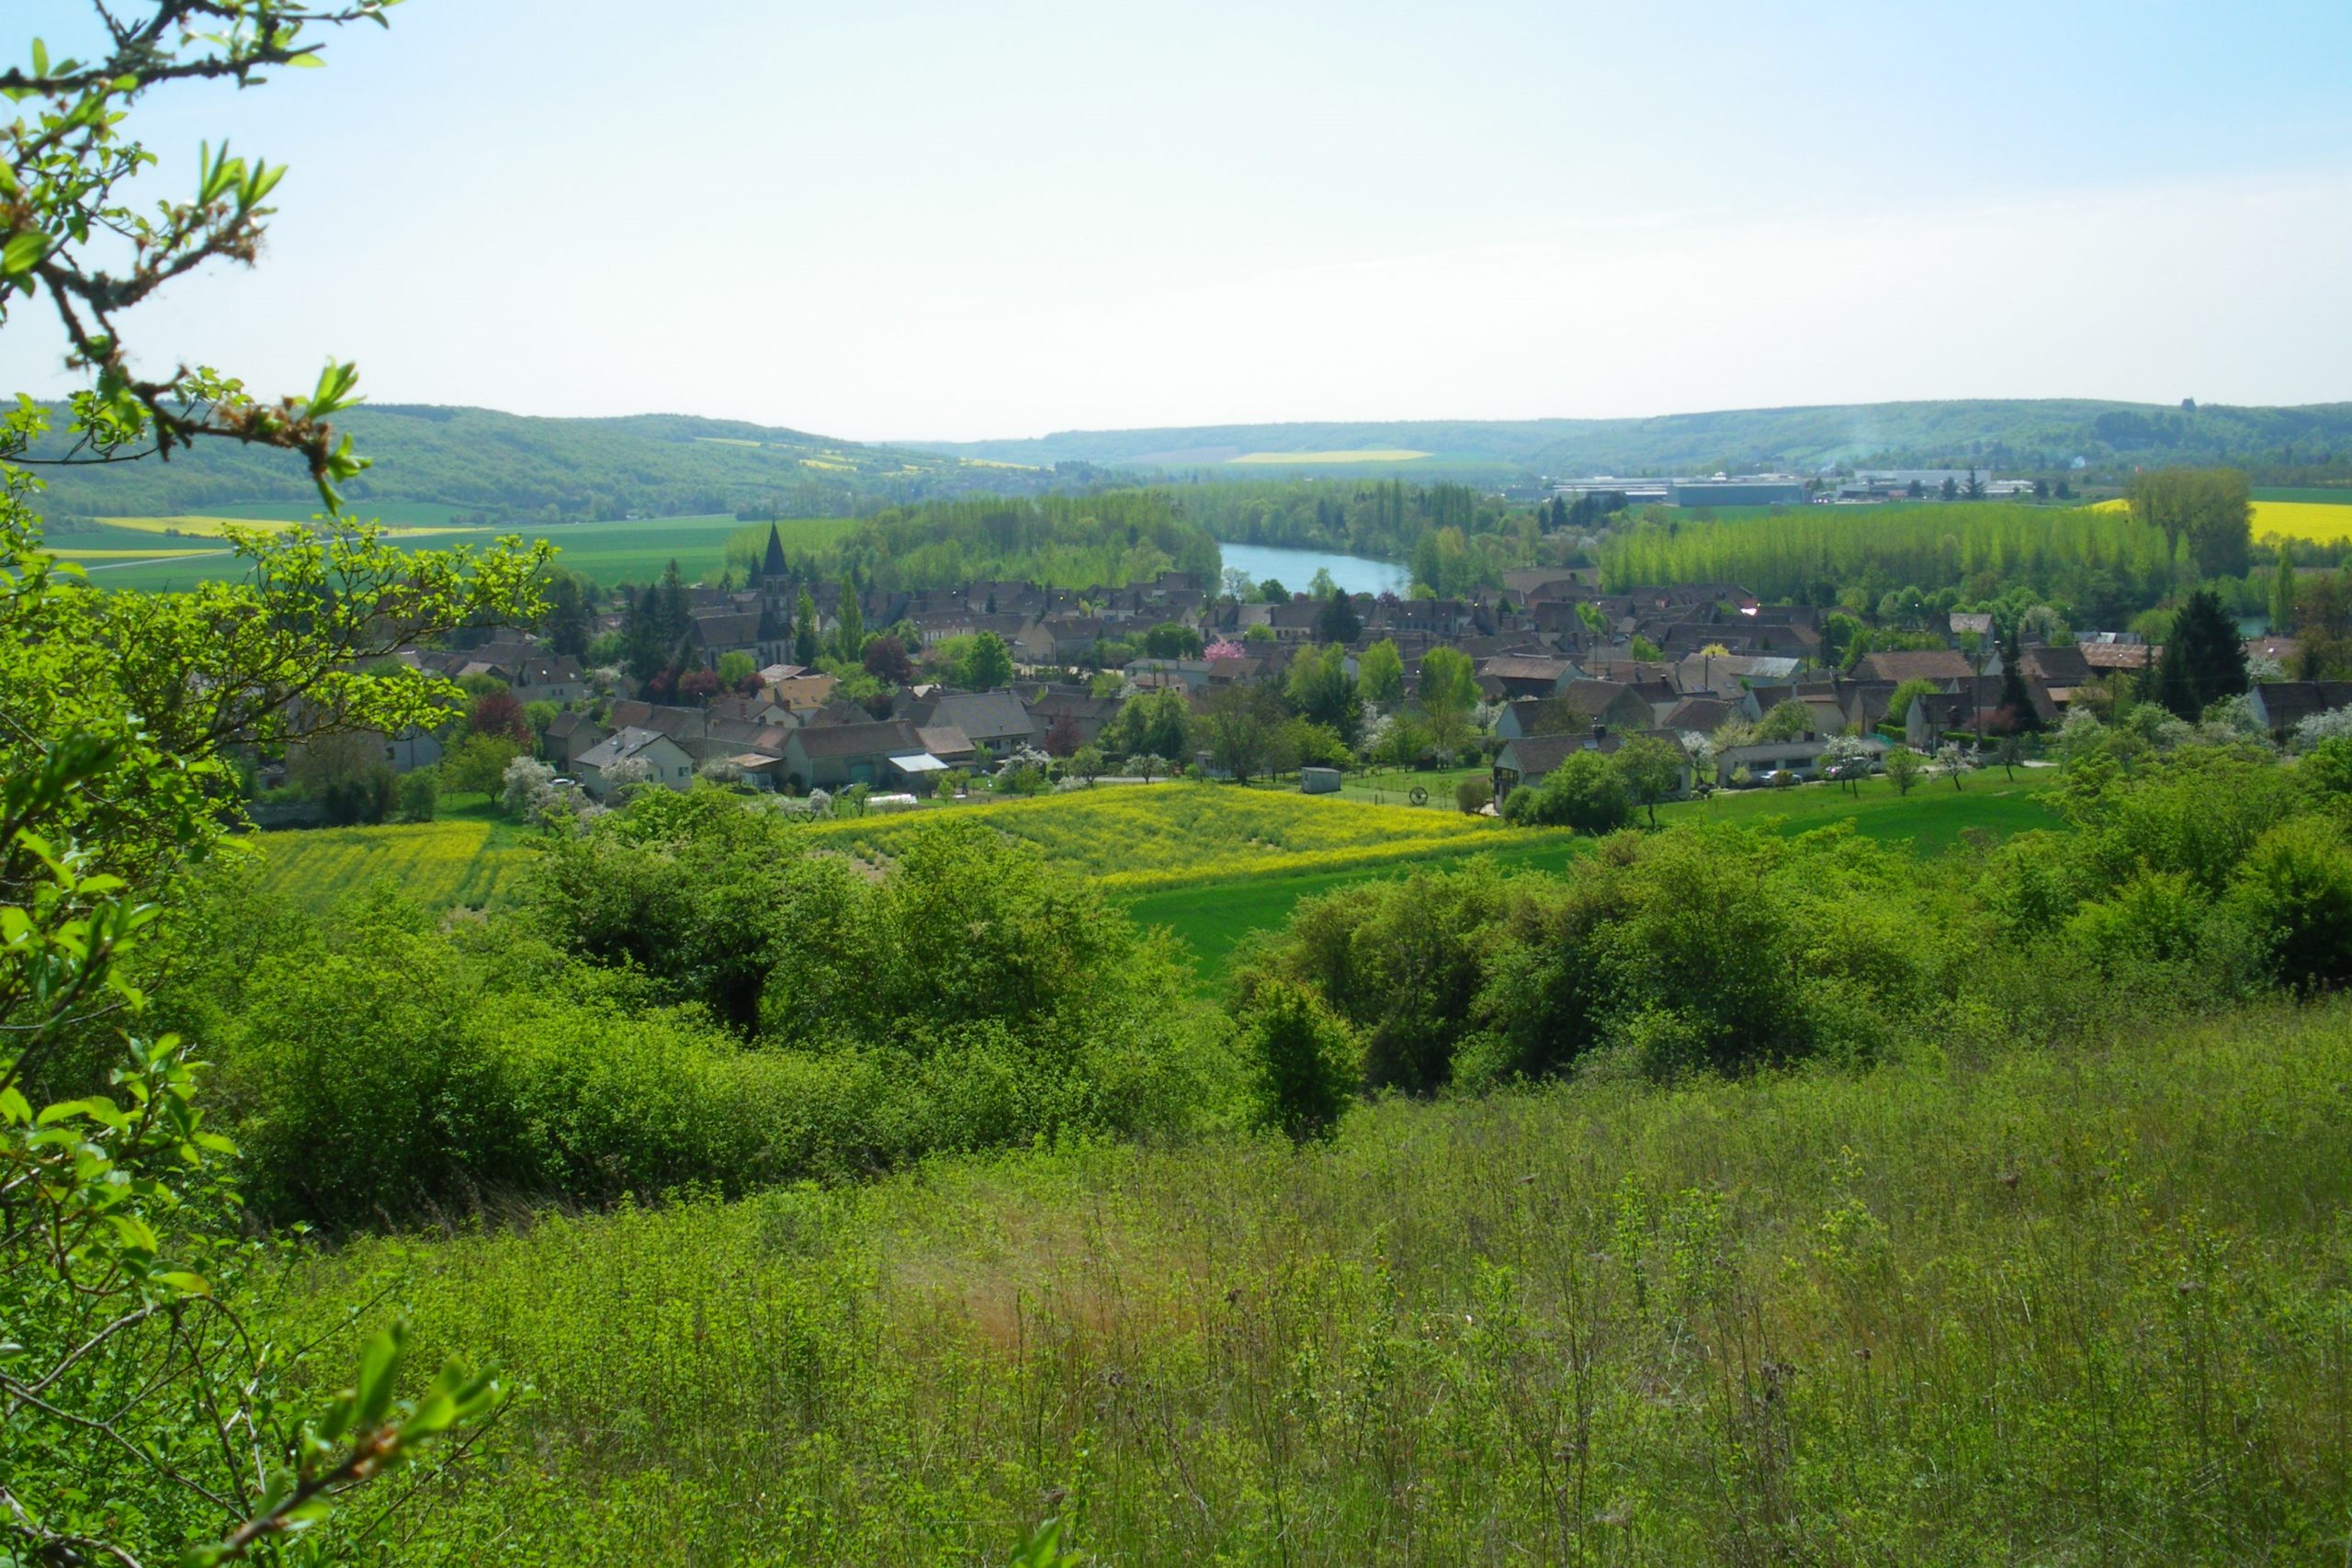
column 2007, row 434
column 507, row 468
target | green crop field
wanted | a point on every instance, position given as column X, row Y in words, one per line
column 637, row 551
column 2316, row 495
column 631, row 551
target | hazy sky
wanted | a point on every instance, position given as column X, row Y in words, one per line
column 892, row 219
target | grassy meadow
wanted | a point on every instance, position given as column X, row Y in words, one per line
column 2080, row 1303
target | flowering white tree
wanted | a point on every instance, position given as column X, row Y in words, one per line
column 2232, row 720
column 1846, row 759
column 628, row 775
column 1953, row 760
column 2322, row 727
column 527, row 789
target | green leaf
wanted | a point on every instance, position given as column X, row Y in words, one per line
column 183, row 1282
column 378, row 1364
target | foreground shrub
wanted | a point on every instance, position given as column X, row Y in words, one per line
column 1303, row 1062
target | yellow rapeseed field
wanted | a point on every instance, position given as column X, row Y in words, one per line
column 2319, row 522
column 2313, row 520
column 436, row 863
column 194, row 525
column 1370, row 455
column 159, row 553
column 1134, row 837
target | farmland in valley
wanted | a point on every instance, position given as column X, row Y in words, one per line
column 634, row 550
column 1131, row 839
column 1210, row 862
column 1211, row 917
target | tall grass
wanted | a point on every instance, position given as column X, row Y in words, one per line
column 1983, row 1305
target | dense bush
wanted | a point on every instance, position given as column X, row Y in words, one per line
column 1584, row 792
column 2196, row 878
column 687, row 996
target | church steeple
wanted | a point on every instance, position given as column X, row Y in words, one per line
column 773, row 566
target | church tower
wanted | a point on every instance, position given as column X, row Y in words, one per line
column 776, row 602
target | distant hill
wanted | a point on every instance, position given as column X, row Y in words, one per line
column 503, row 467
column 2012, row 433
column 508, row 466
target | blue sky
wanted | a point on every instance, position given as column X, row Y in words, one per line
column 899, row 219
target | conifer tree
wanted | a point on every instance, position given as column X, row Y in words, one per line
column 804, row 630
column 2203, row 659
column 850, row 640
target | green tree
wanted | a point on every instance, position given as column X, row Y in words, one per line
column 1449, row 691
column 2204, row 661
column 1788, row 719
column 1337, row 622
column 805, row 647
column 736, row 667
column 476, row 764
column 1169, row 639
column 2212, row 509
column 1652, row 769
column 345, row 775
column 673, row 612
column 988, row 664
column 420, row 795
column 1152, row 724
column 1904, row 767
column 1237, row 728
column 1586, row 792
column 567, row 620
column 2294, row 893
column 2018, row 715
column 1304, row 1061
column 849, row 636
column 1381, row 673
column 2282, row 594
column 143, row 1414
column 1321, row 691
column 1898, row 706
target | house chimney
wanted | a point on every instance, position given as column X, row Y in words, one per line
column 1599, row 731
